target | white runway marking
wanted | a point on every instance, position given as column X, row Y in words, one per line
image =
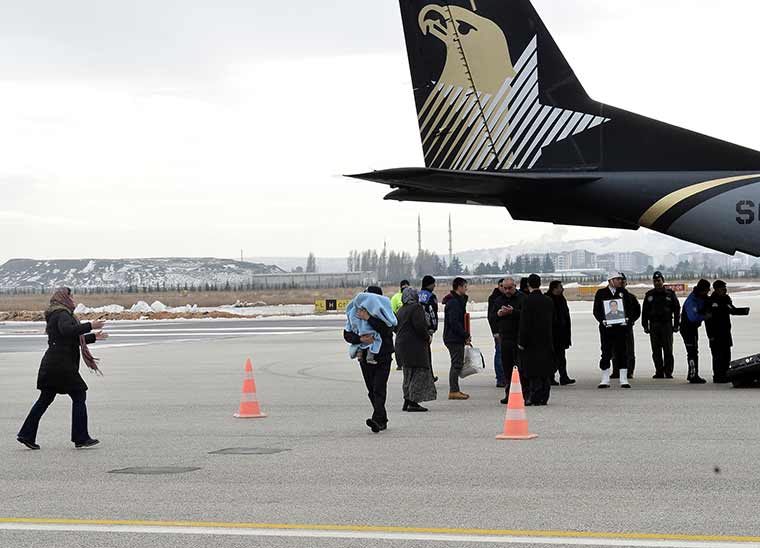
column 374, row 535
column 166, row 334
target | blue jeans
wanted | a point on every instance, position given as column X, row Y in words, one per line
column 500, row 377
column 79, row 432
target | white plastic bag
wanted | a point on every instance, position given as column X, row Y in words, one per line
column 473, row 361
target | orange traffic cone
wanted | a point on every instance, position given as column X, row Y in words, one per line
column 516, row 422
column 249, row 404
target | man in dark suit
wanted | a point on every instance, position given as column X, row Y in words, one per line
column 536, row 342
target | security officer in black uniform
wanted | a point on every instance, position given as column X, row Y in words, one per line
column 719, row 329
column 660, row 319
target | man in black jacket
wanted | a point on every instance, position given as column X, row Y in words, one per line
column 501, row 381
column 537, row 343
column 660, row 319
column 632, row 315
column 505, row 319
column 719, row 329
column 612, row 335
column 455, row 335
column 375, row 375
column 561, row 332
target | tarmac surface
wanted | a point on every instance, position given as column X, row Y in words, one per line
column 663, row 464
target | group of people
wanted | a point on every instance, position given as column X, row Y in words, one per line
column 532, row 331
column 617, row 310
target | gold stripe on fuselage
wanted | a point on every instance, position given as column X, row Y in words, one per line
column 663, row 205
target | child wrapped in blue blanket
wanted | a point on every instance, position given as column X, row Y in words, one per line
column 376, row 306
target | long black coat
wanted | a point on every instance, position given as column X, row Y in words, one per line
column 412, row 338
column 59, row 369
column 561, row 327
column 536, row 335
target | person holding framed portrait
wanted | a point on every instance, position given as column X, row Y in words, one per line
column 609, row 311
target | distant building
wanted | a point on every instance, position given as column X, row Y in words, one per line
column 706, row 261
column 669, row 260
column 633, row 262
column 606, row 262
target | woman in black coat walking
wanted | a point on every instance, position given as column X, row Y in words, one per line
column 412, row 349
column 59, row 370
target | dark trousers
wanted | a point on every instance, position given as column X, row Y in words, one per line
column 78, row 416
column 376, row 380
column 691, row 342
column 560, row 363
column 661, row 337
column 614, row 346
column 630, row 354
column 510, row 357
column 540, row 389
column 456, row 352
column 721, row 358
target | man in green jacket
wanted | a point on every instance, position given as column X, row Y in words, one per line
column 396, row 299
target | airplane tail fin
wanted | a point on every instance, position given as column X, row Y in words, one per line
column 494, row 93
column 476, row 66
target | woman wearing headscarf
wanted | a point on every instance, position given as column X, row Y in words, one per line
column 412, row 348
column 59, row 370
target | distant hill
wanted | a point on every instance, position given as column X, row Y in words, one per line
column 325, row 265
column 122, row 273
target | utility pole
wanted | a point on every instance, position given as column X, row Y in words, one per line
column 241, row 255
column 419, row 235
column 451, row 240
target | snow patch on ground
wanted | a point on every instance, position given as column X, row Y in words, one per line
column 110, row 309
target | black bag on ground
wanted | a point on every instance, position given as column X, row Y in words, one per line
column 745, row 372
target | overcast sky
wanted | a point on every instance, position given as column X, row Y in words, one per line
column 167, row 128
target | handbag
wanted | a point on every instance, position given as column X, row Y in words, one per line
column 473, row 362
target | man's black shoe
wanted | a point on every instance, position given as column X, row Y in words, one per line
column 501, row 385
column 625, row 385
column 567, row 381
column 29, row 444
column 697, row 380
column 504, row 401
column 85, row 444
column 668, row 376
column 554, row 383
column 435, row 379
column 374, row 425
column 658, row 376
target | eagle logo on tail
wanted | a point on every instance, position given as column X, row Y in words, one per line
column 483, row 112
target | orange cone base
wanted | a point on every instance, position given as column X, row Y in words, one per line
column 259, row 416
column 517, row 437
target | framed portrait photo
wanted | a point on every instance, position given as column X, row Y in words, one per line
column 614, row 312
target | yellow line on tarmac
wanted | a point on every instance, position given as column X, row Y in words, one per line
column 385, row 529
